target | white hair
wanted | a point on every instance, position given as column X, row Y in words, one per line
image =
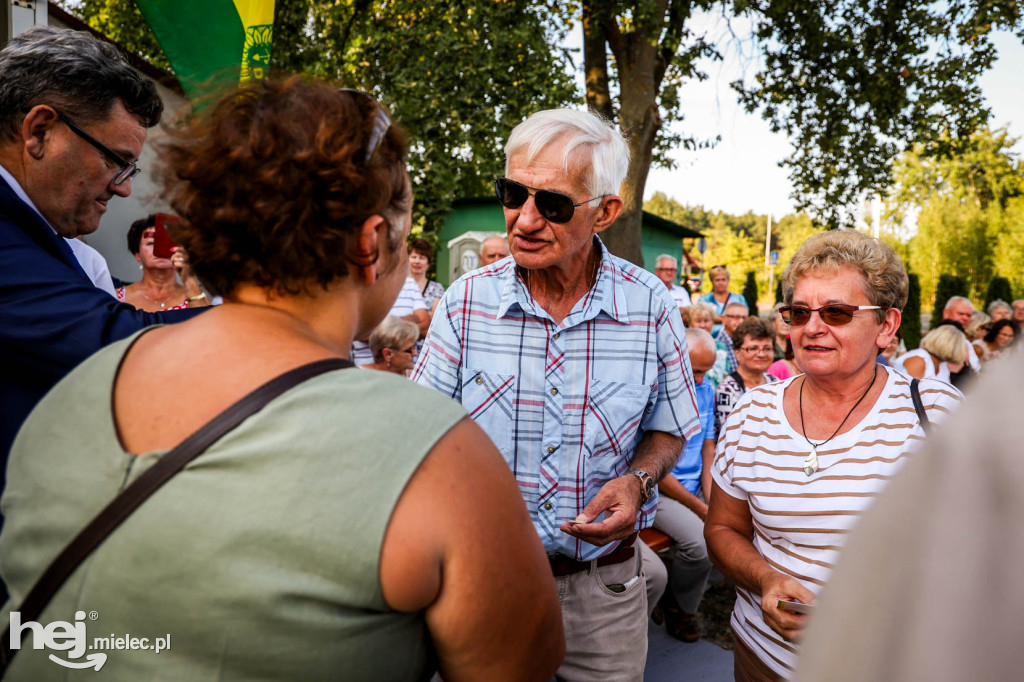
column 737, row 304
column 957, row 299
column 998, row 304
column 696, row 337
column 590, row 141
column 667, row 257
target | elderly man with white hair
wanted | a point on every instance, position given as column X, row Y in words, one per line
column 666, row 267
column 574, row 362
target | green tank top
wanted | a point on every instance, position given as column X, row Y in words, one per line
column 258, row 561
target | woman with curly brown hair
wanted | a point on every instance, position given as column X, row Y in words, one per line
column 315, row 540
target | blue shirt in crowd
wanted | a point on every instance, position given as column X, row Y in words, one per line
column 688, row 467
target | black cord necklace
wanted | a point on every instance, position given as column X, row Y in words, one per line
column 811, row 463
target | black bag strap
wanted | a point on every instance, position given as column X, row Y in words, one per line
column 915, row 395
column 121, row 507
column 739, row 380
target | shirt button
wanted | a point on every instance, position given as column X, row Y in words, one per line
column 551, row 448
column 479, row 380
column 547, row 506
column 554, row 391
column 556, row 335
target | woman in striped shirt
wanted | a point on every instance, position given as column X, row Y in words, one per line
column 798, row 461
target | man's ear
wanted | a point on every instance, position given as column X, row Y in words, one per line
column 365, row 253
column 608, row 212
column 37, row 129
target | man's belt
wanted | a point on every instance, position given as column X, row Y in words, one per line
column 563, row 565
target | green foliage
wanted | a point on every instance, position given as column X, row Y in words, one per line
column 968, row 212
column 750, row 292
column 458, row 76
column 122, row 22
column 910, row 327
column 948, row 286
column 737, row 241
column 854, row 82
column 998, row 290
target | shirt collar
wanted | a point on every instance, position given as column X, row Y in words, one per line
column 606, row 295
column 20, row 193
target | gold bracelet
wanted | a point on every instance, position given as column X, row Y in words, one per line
column 196, row 298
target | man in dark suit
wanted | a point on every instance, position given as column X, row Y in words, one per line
column 73, row 118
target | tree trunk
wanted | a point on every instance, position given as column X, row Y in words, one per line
column 639, row 120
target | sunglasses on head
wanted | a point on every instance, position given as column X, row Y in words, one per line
column 555, row 207
column 834, row 315
column 381, row 121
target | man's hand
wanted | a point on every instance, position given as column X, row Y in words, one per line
column 620, row 499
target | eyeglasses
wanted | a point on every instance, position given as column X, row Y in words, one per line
column 757, row 349
column 554, row 206
column 381, row 122
column 834, row 315
column 128, row 169
column 665, row 269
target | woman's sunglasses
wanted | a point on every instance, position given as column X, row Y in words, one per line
column 834, row 315
column 554, row 206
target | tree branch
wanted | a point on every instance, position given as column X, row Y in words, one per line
column 678, row 11
column 358, row 8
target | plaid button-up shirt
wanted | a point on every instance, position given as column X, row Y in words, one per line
column 566, row 404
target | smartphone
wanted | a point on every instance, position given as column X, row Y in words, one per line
column 163, row 245
column 796, row 607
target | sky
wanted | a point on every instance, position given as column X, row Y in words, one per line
column 741, row 173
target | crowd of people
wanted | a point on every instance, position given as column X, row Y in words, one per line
column 480, row 520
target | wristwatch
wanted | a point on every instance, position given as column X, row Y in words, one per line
column 646, row 483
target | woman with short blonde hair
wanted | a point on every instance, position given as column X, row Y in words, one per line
column 799, row 460
column 943, row 351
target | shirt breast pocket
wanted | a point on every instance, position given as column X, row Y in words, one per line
column 613, row 415
column 487, row 397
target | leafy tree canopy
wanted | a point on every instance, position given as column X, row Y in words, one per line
column 737, row 241
column 968, row 211
column 855, row 82
column 458, row 75
column 851, row 82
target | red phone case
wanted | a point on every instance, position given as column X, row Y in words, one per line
column 162, row 242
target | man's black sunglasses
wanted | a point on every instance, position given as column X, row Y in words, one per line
column 554, row 206
column 128, row 169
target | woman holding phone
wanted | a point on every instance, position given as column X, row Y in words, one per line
column 319, row 539
column 159, row 288
column 798, row 461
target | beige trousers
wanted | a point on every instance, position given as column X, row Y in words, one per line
column 604, row 613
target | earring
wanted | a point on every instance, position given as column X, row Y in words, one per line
column 140, row 266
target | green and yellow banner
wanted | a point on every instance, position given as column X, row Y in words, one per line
column 208, row 40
